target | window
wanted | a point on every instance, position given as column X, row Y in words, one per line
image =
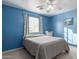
column 33, row 25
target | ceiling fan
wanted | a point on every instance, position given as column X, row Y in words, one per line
column 49, row 5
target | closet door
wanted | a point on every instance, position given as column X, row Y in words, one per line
column 69, row 36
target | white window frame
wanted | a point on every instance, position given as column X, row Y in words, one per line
column 26, row 25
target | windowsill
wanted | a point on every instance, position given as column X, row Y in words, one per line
column 33, row 35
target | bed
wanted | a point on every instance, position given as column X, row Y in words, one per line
column 45, row 47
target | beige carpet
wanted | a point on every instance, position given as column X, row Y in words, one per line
column 23, row 54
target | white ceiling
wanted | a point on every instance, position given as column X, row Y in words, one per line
column 30, row 5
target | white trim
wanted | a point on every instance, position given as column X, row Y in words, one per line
column 12, row 50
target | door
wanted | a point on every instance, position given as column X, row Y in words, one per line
column 69, row 36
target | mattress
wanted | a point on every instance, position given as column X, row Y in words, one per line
column 45, row 47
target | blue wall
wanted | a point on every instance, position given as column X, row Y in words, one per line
column 57, row 23
column 13, row 26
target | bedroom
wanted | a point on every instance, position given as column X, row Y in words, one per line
column 38, row 18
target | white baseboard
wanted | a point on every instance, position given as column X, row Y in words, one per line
column 12, row 50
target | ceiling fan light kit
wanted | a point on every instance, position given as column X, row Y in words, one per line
column 50, row 8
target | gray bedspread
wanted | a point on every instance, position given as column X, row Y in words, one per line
column 45, row 47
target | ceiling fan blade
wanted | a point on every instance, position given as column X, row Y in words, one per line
column 52, row 1
column 42, row 6
column 55, row 2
